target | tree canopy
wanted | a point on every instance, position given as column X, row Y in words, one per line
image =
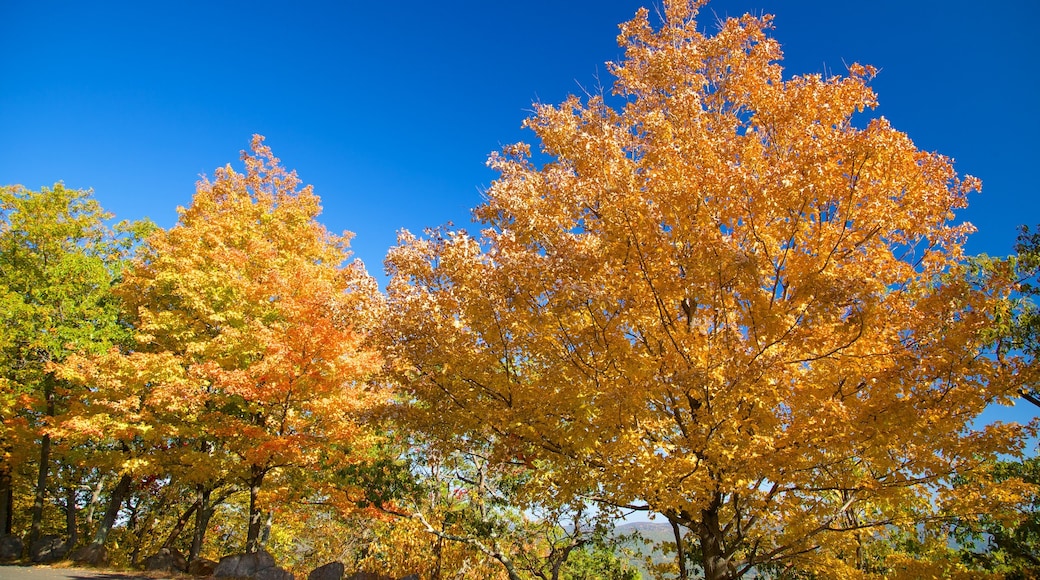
column 720, row 298
column 731, row 298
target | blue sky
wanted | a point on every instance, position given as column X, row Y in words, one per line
column 390, row 109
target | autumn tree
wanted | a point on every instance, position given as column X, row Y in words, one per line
column 250, row 354
column 1014, row 549
column 59, row 259
column 723, row 299
column 1018, row 330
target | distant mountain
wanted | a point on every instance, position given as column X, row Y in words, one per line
column 649, row 530
column 647, row 537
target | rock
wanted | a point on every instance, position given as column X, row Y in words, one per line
column 202, row 567
column 273, row 573
column 368, row 576
column 48, row 549
column 243, row 565
column 166, row 560
column 410, row 577
column 330, row 571
column 11, row 548
column 91, row 555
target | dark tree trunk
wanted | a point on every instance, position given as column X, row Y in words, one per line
column 206, row 507
column 134, row 525
column 114, row 503
column 36, row 526
column 202, row 516
column 255, row 524
column 715, row 563
column 680, row 550
column 6, row 494
column 179, row 526
column 71, row 529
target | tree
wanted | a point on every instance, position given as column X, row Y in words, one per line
column 58, row 262
column 472, row 509
column 1011, row 547
column 250, row 353
column 721, row 299
column 1019, row 329
column 599, row 563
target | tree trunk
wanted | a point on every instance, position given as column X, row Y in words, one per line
column 716, row 566
column 201, row 521
column 134, row 525
column 35, row 528
column 179, row 526
column 6, row 493
column 95, row 498
column 265, row 535
column 114, row 503
column 207, row 506
column 680, row 551
column 255, row 523
column 71, row 529
column 438, row 554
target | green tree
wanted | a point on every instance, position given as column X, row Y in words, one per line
column 600, row 562
column 1019, row 330
column 58, row 262
column 1007, row 545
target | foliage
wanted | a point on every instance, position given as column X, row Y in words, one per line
column 250, row 329
column 599, row 563
column 715, row 295
column 1019, row 329
column 59, row 260
column 720, row 299
column 1008, row 546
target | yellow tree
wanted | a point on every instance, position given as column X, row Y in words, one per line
column 720, row 299
column 251, row 330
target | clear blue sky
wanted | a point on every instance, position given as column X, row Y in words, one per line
column 390, row 108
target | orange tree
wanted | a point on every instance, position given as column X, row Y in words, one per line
column 250, row 355
column 720, row 299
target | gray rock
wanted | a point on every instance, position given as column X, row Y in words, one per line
column 166, row 560
column 91, row 555
column 410, row 577
column 330, row 571
column 368, row 576
column 243, row 565
column 48, row 549
column 273, row 573
column 11, row 548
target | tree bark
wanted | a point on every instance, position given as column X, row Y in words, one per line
column 255, row 523
column 114, row 503
column 134, row 525
column 95, row 498
column 71, row 528
column 179, row 526
column 6, row 493
column 36, row 526
column 716, row 566
column 680, row 551
column 202, row 515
